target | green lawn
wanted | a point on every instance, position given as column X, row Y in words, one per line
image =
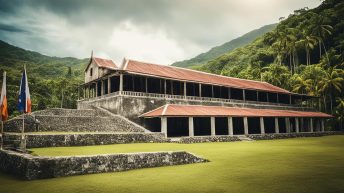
column 291, row 165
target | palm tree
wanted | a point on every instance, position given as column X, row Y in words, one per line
column 291, row 48
column 280, row 44
column 308, row 42
column 300, row 85
column 332, row 82
column 277, row 75
column 320, row 30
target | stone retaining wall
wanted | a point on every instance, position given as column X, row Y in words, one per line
column 31, row 167
column 83, row 139
column 69, row 112
column 203, row 139
column 68, row 123
column 132, row 107
column 291, row 135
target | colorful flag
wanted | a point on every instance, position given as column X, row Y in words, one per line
column 3, row 101
column 24, row 102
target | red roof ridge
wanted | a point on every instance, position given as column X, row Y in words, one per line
column 207, row 73
column 162, row 107
column 165, row 109
column 191, row 110
column 107, row 65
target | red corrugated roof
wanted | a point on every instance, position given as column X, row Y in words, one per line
column 220, row 111
column 197, row 76
column 105, row 63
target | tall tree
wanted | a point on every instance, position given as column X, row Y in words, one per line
column 308, row 42
column 291, row 47
column 332, row 83
column 277, row 75
column 320, row 30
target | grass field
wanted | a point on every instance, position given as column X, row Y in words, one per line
column 291, row 165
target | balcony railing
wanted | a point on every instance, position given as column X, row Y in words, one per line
column 191, row 98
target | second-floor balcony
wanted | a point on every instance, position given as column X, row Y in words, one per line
column 132, row 85
column 194, row 98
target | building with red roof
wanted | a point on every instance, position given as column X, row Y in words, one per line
column 184, row 102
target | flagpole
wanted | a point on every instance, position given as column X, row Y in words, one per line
column 2, row 135
column 23, row 145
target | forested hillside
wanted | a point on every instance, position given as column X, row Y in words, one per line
column 49, row 77
column 226, row 47
column 305, row 54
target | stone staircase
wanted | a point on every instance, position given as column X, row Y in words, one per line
column 244, row 138
column 72, row 120
column 72, row 127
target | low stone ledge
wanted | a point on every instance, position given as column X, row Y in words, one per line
column 83, row 139
column 30, row 167
column 204, row 139
column 271, row 136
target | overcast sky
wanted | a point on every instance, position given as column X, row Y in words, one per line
column 158, row 31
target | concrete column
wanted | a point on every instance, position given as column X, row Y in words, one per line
column 297, row 128
column 246, row 125
column 102, row 89
column 311, row 125
column 200, row 90
column 184, row 89
column 191, row 127
column 97, row 88
column 243, row 95
column 94, row 90
column 164, row 125
column 257, row 95
column 120, row 82
column 287, row 125
column 109, row 85
column 290, row 99
column 302, row 125
column 165, row 87
column 262, row 126
column 229, row 93
column 322, row 125
column 212, row 91
column 230, row 126
column 212, row 124
column 276, row 125
column 317, row 123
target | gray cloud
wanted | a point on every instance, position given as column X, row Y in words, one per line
column 10, row 28
column 160, row 31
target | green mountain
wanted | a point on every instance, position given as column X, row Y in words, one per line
column 304, row 54
column 226, row 47
column 47, row 76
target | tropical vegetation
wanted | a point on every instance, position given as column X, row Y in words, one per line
column 304, row 54
column 53, row 81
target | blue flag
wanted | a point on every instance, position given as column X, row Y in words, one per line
column 24, row 101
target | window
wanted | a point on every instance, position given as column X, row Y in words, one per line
column 91, row 71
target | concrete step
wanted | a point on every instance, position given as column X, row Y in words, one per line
column 244, row 138
column 70, row 112
column 175, row 139
column 36, row 140
column 53, row 123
